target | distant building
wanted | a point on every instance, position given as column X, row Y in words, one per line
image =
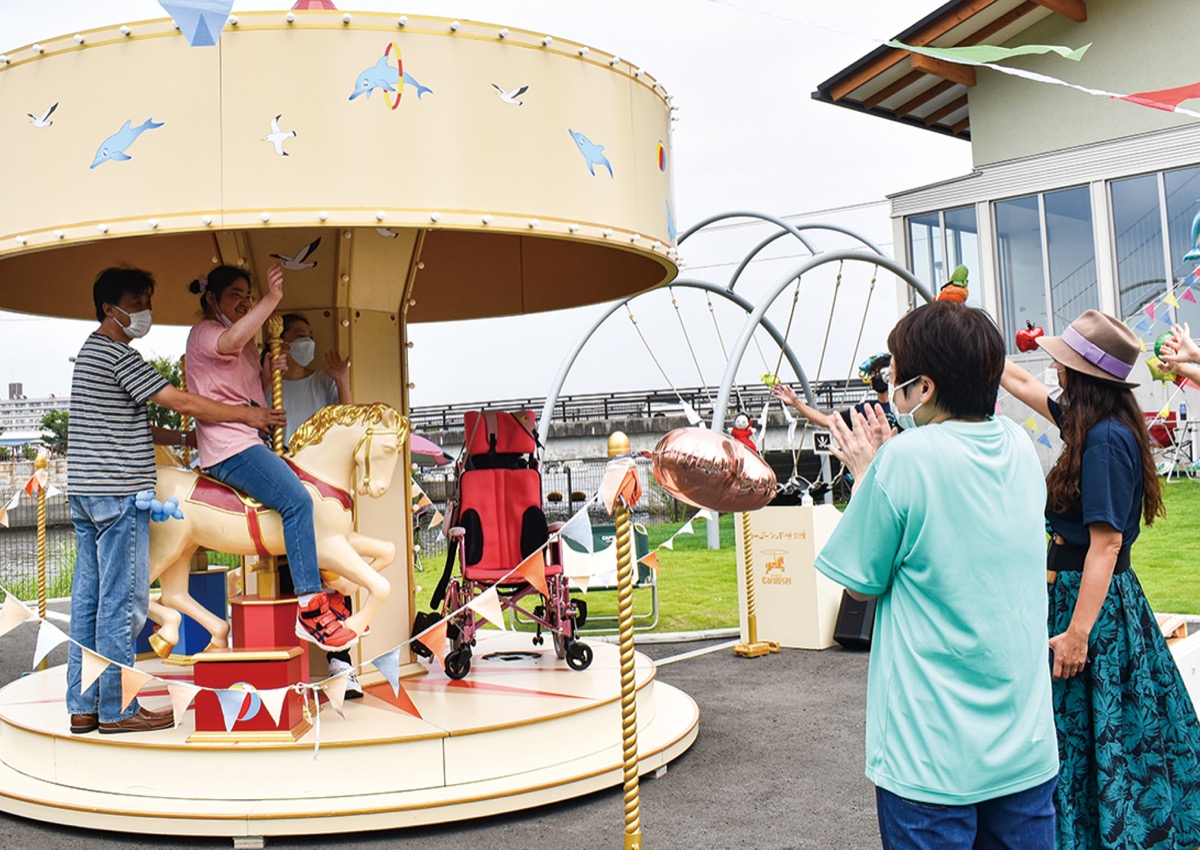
column 1075, row 201
column 21, row 418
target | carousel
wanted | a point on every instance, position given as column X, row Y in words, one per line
column 401, row 169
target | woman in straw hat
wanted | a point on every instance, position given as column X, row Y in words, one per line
column 1128, row 735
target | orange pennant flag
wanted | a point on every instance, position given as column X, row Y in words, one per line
column 434, row 639
column 533, row 569
column 132, row 681
column 36, row 482
column 621, row 481
column 650, row 561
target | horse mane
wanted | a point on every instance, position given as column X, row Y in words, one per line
column 317, row 426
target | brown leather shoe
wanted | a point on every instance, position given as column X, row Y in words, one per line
column 81, row 724
column 144, row 721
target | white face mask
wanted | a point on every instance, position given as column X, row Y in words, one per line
column 303, row 350
column 139, row 323
column 906, row 421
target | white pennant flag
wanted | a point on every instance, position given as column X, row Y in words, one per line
column 93, row 665
column 389, row 665
column 11, row 506
column 181, row 697
column 762, row 432
column 580, row 582
column 49, row 636
column 52, row 491
column 708, row 514
column 272, row 701
column 13, row 614
column 231, row 705
column 693, row 417
column 792, row 432
column 669, row 543
column 686, row 528
column 579, row 529
column 335, row 691
column 487, row 605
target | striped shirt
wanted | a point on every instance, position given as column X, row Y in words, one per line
column 111, row 448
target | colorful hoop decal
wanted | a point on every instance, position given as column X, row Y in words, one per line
column 399, row 76
column 662, row 157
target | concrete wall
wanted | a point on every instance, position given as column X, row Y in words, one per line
column 1135, row 47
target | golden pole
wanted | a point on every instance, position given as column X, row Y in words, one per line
column 268, row 575
column 185, row 421
column 753, row 647
column 618, row 444
column 40, row 464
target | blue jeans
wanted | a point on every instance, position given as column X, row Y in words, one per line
column 110, row 595
column 1020, row 821
column 260, row 473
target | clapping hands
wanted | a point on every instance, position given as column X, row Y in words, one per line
column 1181, row 349
column 856, row 446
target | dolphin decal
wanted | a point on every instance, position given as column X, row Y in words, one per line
column 671, row 232
column 114, row 147
column 381, row 75
column 592, row 153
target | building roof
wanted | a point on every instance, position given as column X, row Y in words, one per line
column 927, row 93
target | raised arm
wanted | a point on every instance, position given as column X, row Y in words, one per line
column 235, row 337
column 788, row 396
column 1026, row 388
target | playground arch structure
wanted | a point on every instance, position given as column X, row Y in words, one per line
column 868, row 254
column 437, row 200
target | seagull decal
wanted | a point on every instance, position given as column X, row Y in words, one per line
column 277, row 137
column 300, row 262
column 43, row 120
column 510, row 97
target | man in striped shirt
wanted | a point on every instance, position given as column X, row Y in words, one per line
column 111, row 459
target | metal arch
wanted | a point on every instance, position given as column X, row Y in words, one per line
column 739, row 346
column 565, row 368
column 813, row 226
column 790, row 228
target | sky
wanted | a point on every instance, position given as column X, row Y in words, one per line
column 749, row 137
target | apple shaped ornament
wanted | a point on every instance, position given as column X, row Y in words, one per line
column 1027, row 337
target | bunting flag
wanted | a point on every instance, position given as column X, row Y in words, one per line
column 335, row 691
column 231, row 705
column 580, row 582
column 200, row 21
column 762, row 431
column 272, row 701
column 13, row 614
column 533, row 569
column 650, row 561
column 388, row 665
column 49, row 636
column 579, row 529
column 669, row 543
column 93, row 664
column 11, row 506
column 1031, row 424
column 181, row 697
column 132, row 681
column 707, row 514
column 621, row 481
column 1142, row 342
column 437, row 518
column 1045, row 441
column 693, row 417
column 1167, row 100
column 434, row 639
column 791, row 432
column 423, row 501
column 686, row 528
column 1142, row 326
column 1188, row 296
column 1149, row 308
column 1172, row 300
column 487, row 605
column 36, row 482
column 983, row 54
column 1165, row 413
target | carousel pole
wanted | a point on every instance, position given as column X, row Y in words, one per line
column 185, row 421
column 618, row 444
column 752, row 647
column 39, row 465
column 268, row 574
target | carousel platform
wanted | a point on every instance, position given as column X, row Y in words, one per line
column 520, row 731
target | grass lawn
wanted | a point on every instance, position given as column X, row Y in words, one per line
column 698, row 587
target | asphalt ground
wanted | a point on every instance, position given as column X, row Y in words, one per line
column 778, row 764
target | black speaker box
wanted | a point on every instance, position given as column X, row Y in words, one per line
column 855, row 621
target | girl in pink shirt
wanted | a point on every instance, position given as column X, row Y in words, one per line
column 222, row 363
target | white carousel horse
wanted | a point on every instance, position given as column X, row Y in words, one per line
column 342, row 448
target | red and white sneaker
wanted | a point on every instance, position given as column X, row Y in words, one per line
column 317, row 623
column 341, row 609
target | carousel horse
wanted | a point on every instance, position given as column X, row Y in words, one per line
column 341, row 449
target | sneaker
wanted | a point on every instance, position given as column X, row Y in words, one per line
column 316, row 623
column 341, row 608
column 353, row 688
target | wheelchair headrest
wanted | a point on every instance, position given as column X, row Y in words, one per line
column 500, row 432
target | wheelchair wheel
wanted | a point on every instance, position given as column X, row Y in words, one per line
column 579, row 655
column 458, row 662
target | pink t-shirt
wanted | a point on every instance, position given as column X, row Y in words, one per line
column 231, row 378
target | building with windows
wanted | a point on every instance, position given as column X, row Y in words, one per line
column 21, row 417
column 1075, row 200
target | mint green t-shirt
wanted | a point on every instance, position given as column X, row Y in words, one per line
column 946, row 529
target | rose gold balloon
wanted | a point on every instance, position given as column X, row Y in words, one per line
column 712, row 470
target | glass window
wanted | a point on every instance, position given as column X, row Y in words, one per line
column 925, row 248
column 962, row 249
column 1072, row 256
column 1019, row 254
column 1183, row 207
column 1137, row 229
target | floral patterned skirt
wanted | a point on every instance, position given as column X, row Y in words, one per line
column 1128, row 735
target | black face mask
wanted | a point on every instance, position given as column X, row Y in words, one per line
column 879, row 384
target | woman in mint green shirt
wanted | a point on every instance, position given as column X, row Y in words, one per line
column 945, row 529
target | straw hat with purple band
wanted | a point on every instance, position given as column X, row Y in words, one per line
column 1096, row 344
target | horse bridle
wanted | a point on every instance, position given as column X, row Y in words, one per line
column 365, row 441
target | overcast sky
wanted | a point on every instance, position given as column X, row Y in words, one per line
column 749, row 138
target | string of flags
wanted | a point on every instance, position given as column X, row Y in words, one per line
column 578, row 528
column 39, row 480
